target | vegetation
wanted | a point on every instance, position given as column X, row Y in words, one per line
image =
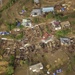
column 36, row 20
column 8, row 5
column 70, row 65
column 2, row 52
column 32, row 1
column 72, row 15
column 49, row 15
column 21, row 26
column 72, row 62
column 19, row 36
column 47, row 29
column 69, row 69
column 73, row 32
column 11, row 26
column 72, row 22
column 9, row 70
column 31, row 50
column 62, row 18
column 62, row 33
column 12, row 59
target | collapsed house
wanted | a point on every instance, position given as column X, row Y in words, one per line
column 65, row 24
column 56, row 25
column 26, row 23
column 47, row 38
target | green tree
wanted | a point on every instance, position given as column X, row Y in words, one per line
column 12, row 59
column 10, row 70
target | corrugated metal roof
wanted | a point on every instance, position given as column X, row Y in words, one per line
column 36, row 12
column 47, row 9
column 65, row 40
column 36, row 67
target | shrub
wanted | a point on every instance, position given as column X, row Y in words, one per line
column 10, row 70
column 19, row 36
column 62, row 33
column 49, row 15
column 11, row 26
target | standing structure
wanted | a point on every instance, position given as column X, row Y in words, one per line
column 36, row 68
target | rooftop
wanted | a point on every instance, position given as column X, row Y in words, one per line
column 47, row 38
column 4, row 33
column 65, row 41
column 36, row 12
column 36, row 67
column 47, row 9
column 26, row 23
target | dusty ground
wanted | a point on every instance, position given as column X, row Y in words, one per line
column 2, row 66
column 21, row 70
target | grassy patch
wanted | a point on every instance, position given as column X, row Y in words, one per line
column 19, row 36
column 9, row 70
column 72, row 15
column 11, row 26
column 10, row 3
column 73, row 22
column 62, row 18
column 48, row 30
column 21, row 26
column 36, row 20
column 48, row 16
column 74, row 32
column 62, row 33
